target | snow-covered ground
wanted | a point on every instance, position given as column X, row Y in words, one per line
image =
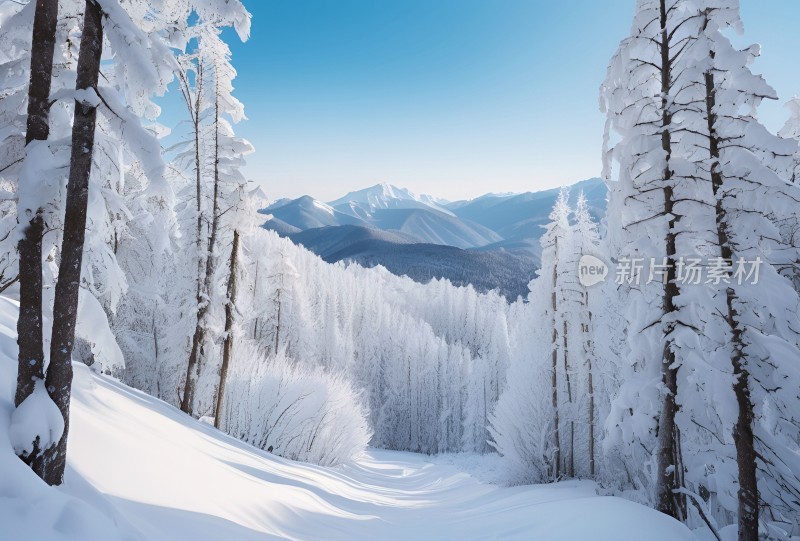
column 140, row 469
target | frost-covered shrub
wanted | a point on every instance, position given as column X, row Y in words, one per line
column 301, row 412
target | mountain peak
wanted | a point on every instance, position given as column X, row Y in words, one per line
column 387, row 189
column 384, row 196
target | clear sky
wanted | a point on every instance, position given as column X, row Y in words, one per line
column 454, row 98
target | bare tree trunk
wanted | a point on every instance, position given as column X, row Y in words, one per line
column 227, row 348
column 668, row 500
column 743, row 430
column 193, row 104
column 554, row 378
column 65, row 305
column 29, row 324
column 199, row 338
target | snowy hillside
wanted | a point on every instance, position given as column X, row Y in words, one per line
column 435, row 227
column 523, row 216
column 308, row 213
column 422, row 223
column 403, row 256
column 334, row 243
column 141, row 470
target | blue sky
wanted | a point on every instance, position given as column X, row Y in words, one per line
column 450, row 97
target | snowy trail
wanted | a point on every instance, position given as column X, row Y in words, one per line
column 174, row 478
column 142, row 470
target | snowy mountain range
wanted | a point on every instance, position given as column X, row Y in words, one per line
column 491, row 242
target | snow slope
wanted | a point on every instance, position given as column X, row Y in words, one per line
column 523, row 216
column 140, row 469
column 309, row 213
column 402, row 255
column 435, row 227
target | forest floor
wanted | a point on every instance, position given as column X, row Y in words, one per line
column 140, row 469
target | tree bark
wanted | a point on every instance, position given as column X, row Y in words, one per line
column 65, row 305
column 743, row 429
column 45, row 20
column 227, row 347
column 668, row 500
column 29, row 324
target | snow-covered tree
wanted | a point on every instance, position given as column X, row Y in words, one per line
column 142, row 67
column 697, row 170
column 583, row 310
column 657, row 213
column 523, row 421
column 207, row 84
column 749, row 170
column 547, row 434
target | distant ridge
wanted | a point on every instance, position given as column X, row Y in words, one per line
column 491, row 242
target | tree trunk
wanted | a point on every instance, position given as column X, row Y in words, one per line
column 227, row 348
column 743, row 436
column 193, row 104
column 196, row 356
column 29, row 324
column 278, row 320
column 554, row 378
column 743, row 430
column 194, row 109
column 668, row 501
column 570, row 462
column 65, row 305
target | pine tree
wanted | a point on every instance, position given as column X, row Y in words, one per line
column 585, row 241
column 656, row 197
column 726, row 175
column 554, row 244
column 744, row 159
column 522, row 422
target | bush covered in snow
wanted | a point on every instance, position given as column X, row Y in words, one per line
column 301, row 412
